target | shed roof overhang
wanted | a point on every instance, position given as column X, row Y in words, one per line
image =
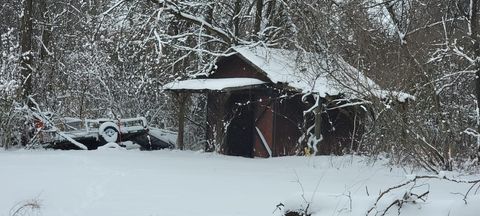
column 217, row 84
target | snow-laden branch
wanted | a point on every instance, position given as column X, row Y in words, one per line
column 201, row 22
column 431, row 25
column 350, row 104
column 460, row 53
column 39, row 115
column 471, row 132
column 113, row 7
column 172, row 8
column 410, row 197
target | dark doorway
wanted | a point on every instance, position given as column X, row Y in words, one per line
column 240, row 131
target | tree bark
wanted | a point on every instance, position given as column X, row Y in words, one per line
column 26, row 58
column 236, row 17
column 475, row 31
column 270, row 12
column 45, row 35
column 258, row 17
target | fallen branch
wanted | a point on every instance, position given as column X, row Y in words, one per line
column 409, row 195
column 39, row 115
column 26, row 208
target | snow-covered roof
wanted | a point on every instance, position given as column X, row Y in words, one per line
column 322, row 73
column 220, row 84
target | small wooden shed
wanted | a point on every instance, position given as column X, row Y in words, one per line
column 265, row 102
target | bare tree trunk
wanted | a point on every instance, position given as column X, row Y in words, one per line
column 26, row 48
column 26, row 59
column 258, row 17
column 45, row 30
column 236, row 18
column 475, row 31
column 270, row 12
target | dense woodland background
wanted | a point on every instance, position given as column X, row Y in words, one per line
column 110, row 58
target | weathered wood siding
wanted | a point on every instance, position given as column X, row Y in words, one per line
column 236, row 67
column 287, row 125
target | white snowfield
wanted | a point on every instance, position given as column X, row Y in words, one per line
column 139, row 183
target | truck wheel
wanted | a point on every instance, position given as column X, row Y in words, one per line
column 108, row 131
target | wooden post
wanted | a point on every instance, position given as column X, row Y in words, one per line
column 182, row 99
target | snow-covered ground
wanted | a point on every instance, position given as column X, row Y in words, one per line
column 140, row 183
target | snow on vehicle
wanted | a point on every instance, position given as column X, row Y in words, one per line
column 73, row 133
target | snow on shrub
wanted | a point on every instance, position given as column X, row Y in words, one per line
column 8, row 87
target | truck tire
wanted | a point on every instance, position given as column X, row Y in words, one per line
column 108, row 132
